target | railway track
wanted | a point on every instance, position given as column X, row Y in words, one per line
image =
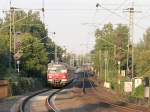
column 87, row 83
column 49, row 102
column 22, row 107
column 25, row 105
column 117, row 107
column 125, row 103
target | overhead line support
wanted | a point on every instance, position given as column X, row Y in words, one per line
column 131, row 38
column 10, row 35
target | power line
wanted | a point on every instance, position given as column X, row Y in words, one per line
column 136, row 5
column 17, row 21
column 144, row 16
column 137, row 25
column 37, row 42
column 123, row 3
column 56, row 9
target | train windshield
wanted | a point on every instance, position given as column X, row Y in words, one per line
column 57, row 70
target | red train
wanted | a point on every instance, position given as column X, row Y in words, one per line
column 57, row 74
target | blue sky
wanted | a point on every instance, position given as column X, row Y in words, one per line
column 67, row 18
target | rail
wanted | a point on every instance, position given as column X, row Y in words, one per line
column 22, row 105
column 123, row 108
column 48, row 101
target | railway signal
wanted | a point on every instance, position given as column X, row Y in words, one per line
column 18, row 63
column 146, row 81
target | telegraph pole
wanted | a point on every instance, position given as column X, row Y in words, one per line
column 10, row 35
column 131, row 12
column 55, row 46
column 56, row 59
column 106, row 65
column 13, row 24
column 100, row 65
column 43, row 10
column 14, row 33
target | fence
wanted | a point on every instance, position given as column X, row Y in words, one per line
column 3, row 88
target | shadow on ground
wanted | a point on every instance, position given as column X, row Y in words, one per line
column 89, row 107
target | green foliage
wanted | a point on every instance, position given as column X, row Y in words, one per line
column 142, row 55
column 34, row 58
column 35, row 49
column 23, row 85
column 113, row 84
column 138, row 92
column 4, row 55
column 114, row 41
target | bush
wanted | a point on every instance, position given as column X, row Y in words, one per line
column 138, row 92
column 24, row 85
column 113, row 85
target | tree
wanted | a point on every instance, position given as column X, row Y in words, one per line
column 4, row 55
column 35, row 57
column 121, row 42
column 142, row 55
column 113, row 41
column 33, row 40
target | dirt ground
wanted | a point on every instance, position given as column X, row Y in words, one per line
column 97, row 99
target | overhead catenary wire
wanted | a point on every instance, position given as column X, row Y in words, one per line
column 93, row 18
column 137, row 5
column 112, row 44
column 96, row 11
column 124, row 18
column 71, row 11
column 144, row 16
column 34, row 43
column 122, row 4
column 17, row 21
column 57, row 9
column 14, row 22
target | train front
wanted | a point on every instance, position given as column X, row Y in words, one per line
column 57, row 76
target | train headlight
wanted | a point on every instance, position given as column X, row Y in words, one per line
column 64, row 77
column 50, row 76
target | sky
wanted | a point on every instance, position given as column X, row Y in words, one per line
column 75, row 21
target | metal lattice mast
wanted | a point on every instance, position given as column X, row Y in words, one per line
column 43, row 10
column 106, row 64
column 131, row 36
column 10, row 35
column 100, row 64
column 13, row 24
column 130, row 39
column 14, row 33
